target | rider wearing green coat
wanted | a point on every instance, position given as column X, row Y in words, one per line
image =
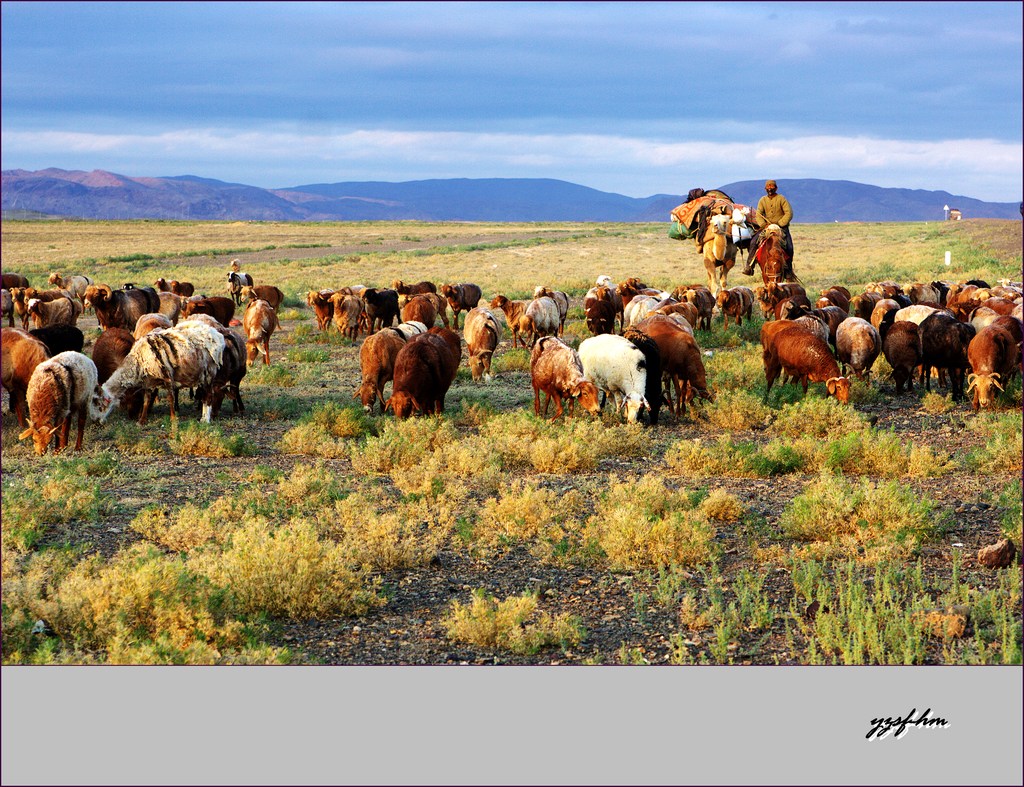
column 772, row 208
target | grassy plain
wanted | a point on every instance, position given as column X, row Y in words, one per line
column 790, row 532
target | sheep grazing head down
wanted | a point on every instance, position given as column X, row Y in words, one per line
column 633, row 404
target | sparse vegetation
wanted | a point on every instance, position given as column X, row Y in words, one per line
column 308, row 531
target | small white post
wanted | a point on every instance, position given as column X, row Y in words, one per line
column 945, row 212
column 949, row 257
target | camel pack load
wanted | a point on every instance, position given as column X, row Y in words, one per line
column 690, row 219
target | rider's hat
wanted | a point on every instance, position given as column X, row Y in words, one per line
column 768, row 184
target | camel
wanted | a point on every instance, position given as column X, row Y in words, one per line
column 719, row 252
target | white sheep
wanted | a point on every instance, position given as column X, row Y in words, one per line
column 188, row 355
column 617, row 367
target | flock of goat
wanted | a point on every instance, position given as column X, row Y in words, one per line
column 643, row 350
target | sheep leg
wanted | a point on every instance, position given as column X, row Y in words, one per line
column 536, row 401
column 81, row 427
column 171, row 402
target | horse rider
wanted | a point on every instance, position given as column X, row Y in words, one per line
column 772, row 208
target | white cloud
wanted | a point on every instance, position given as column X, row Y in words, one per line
column 982, row 168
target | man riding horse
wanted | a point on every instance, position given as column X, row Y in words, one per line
column 773, row 208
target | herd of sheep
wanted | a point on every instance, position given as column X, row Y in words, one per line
column 642, row 352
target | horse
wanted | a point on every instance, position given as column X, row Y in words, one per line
column 771, row 256
column 719, row 252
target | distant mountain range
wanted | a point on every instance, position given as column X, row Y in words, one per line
column 105, row 195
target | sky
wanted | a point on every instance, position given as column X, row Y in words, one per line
column 636, row 98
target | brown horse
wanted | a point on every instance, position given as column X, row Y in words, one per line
column 771, row 256
column 719, row 252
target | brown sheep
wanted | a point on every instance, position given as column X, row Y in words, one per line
column 902, row 349
column 858, row 344
column 12, row 280
column 8, row 307
column 258, row 322
column 74, row 285
column 413, row 289
column 323, row 307
column 806, row 357
column 686, row 310
column 60, row 311
column 514, row 311
column 60, row 388
column 703, row 301
column 882, row 308
column 265, row 292
column 150, row 322
column 543, row 316
column 182, row 288
column 614, row 296
column 421, row 309
column 681, row 364
column 770, row 295
column 944, row 341
column 170, row 306
column 377, row 364
column 834, row 296
column 22, row 353
column 22, row 295
column 121, row 308
column 483, row 332
column 556, row 370
column 108, row 353
column 220, row 308
column 424, row 370
column 600, row 315
column 348, row 313
column 461, row 298
column 995, row 359
column 735, row 302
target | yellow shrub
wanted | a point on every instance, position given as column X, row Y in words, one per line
column 488, row 623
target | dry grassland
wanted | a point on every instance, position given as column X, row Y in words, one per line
column 304, row 531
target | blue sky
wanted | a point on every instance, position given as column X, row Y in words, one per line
column 635, row 98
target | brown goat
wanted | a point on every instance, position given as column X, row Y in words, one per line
column 681, row 364
column 515, row 312
column 60, row 388
column 421, row 309
column 348, row 313
column 561, row 300
column 59, row 311
column 556, row 370
column 323, row 307
column 22, row 353
column 858, row 344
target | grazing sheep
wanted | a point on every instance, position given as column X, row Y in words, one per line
column 377, row 365
column 151, row 322
column 556, row 370
column 858, row 344
column 348, row 314
column 681, row 364
column 617, row 367
column 60, row 311
column 685, row 310
column 228, row 380
column 600, row 310
column 22, row 353
column 561, row 300
column 187, row 355
column 652, row 356
column 862, row 305
column 220, row 308
column 60, row 388
column 461, row 298
column 483, row 332
column 514, row 312
column 419, row 309
column 381, row 307
column 835, row 296
column 265, row 292
column 7, row 310
column 919, row 292
column 542, row 314
column 402, row 288
column 236, row 281
column 60, row 338
column 994, row 356
column 804, row 356
column 884, row 310
column 816, row 325
column 915, row 314
column 944, row 342
column 121, row 308
column 258, row 322
column 614, row 297
column 737, row 303
column 408, row 329
column 424, row 370
column 769, row 296
column 902, row 349
column 108, row 353
column 639, row 307
column 702, row 298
